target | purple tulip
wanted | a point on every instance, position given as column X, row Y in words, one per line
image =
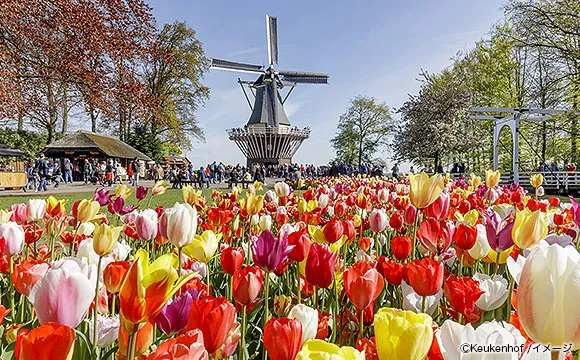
column 118, row 207
column 173, row 318
column 141, row 192
column 268, row 252
column 499, row 233
column 102, row 196
column 562, row 240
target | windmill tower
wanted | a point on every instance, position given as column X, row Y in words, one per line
column 268, row 138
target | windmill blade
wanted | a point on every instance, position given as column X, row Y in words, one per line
column 303, row 77
column 235, row 66
column 272, row 33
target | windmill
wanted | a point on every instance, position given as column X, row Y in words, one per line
column 268, row 138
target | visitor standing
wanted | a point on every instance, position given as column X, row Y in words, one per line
column 135, row 167
column 57, row 174
column 395, row 170
column 68, row 171
column 30, row 176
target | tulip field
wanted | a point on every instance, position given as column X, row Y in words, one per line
column 427, row 267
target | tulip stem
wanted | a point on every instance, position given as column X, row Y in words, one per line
column 336, row 310
column 22, row 308
column 12, row 286
column 96, row 310
column 509, row 300
column 460, row 269
column 414, row 250
column 208, row 271
column 113, row 304
column 241, row 356
column 361, row 324
column 298, row 283
column 423, row 304
column 266, row 310
column 74, row 239
column 179, row 262
column 315, row 293
column 131, row 343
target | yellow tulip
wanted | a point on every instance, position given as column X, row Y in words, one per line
column 302, row 206
column 300, row 183
column 402, row 335
column 492, row 178
column 203, row 246
column 123, row 191
column 87, row 210
column 474, row 182
column 105, row 238
column 470, row 217
column 320, row 349
column 257, row 185
column 191, row 195
column 311, row 205
column 357, row 221
column 424, row 190
column 537, row 180
column 254, row 203
column 501, row 257
column 160, row 187
column 5, row 216
column 55, row 206
column 529, row 228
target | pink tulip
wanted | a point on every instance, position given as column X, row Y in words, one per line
column 439, row 209
column 383, row 195
column 146, row 224
column 11, row 238
column 19, row 215
column 378, row 220
column 409, row 214
column 63, row 295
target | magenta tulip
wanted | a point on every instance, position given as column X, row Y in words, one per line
column 146, row 224
column 173, row 318
column 102, row 196
column 19, row 215
column 141, row 192
column 269, row 252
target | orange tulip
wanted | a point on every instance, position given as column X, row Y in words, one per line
column 363, row 284
column 27, row 273
column 185, row 346
column 50, row 341
column 144, row 340
column 114, row 274
column 147, row 287
column 55, row 207
column 3, row 313
column 215, row 318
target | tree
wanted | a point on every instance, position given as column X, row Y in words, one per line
column 29, row 142
column 362, row 130
column 143, row 140
column 174, row 76
column 436, row 122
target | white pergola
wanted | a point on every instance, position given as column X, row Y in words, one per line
column 511, row 117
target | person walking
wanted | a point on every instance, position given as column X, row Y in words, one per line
column 135, row 167
column 57, row 174
column 30, row 176
column 87, row 171
column 41, row 168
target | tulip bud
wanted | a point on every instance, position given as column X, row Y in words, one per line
column 378, row 220
column 146, row 224
column 35, row 209
column 492, row 178
column 11, row 238
column 409, row 214
column 282, row 304
column 159, row 187
column 265, row 222
column 323, row 201
column 309, row 319
column 114, row 274
column 302, row 206
column 86, row 210
column 181, row 224
column 105, row 238
column 402, row 334
column 282, row 189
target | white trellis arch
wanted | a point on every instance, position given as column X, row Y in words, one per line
column 511, row 117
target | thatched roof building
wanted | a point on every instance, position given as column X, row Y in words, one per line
column 89, row 144
column 6, row 151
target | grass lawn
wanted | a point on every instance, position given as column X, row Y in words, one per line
column 170, row 197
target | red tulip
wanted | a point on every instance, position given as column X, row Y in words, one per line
column 409, row 214
column 393, row 272
column 439, row 209
column 554, row 201
column 425, row 276
column 232, row 259
column 185, row 346
column 340, row 209
column 462, row 293
column 283, row 338
column 320, row 265
column 363, row 284
column 301, row 242
column 401, row 247
column 50, row 341
column 465, row 236
column 333, row 230
column 214, row 317
column 247, row 284
column 396, row 221
column 436, row 236
column 349, row 230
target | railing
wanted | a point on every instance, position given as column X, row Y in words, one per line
column 256, row 130
column 553, row 180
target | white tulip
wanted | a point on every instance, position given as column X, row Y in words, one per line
column 323, row 201
column 12, row 238
column 413, row 302
column 481, row 247
column 309, row 319
column 495, row 291
column 86, row 228
column 265, row 222
column 35, row 209
column 181, row 224
column 108, row 329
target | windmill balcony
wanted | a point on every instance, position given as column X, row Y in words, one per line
column 271, row 130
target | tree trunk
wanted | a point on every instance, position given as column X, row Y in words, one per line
column 436, row 158
column 64, row 111
column 20, row 119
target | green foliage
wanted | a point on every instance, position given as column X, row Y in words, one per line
column 145, row 141
column 362, row 130
column 29, row 142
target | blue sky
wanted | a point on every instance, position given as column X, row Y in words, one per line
column 372, row 48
